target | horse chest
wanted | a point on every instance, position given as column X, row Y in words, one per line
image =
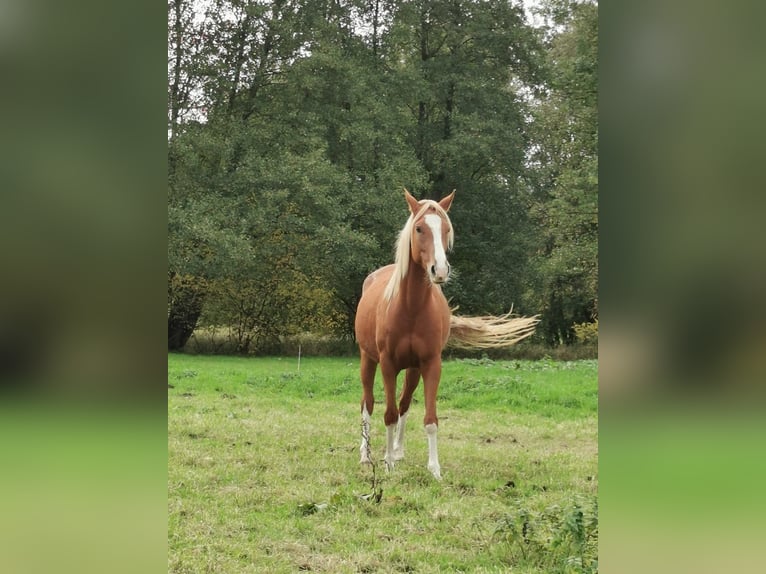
column 410, row 340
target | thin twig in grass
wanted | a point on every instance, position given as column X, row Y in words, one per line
column 376, row 482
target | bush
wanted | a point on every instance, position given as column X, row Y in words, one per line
column 224, row 341
column 587, row 333
column 318, row 345
column 211, row 341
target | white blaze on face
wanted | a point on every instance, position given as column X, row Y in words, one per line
column 441, row 266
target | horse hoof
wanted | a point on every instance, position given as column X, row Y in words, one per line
column 436, row 471
column 398, row 455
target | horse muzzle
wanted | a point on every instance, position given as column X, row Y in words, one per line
column 439, row 273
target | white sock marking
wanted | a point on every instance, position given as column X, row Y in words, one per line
column 389, row 459
column 399, row 438
column 433, row 455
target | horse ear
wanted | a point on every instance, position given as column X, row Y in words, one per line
column 411, row 201
column 447, row 201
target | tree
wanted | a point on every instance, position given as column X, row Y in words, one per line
column 239, row 49
column 257, row 187
column 460, row 66
column 185, row 292
column 566, row 161
column 294, row 125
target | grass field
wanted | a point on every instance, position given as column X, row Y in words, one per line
column 264, row 473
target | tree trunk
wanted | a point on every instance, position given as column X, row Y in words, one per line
column 183, row 313
column 375, row 26
column 175, row 87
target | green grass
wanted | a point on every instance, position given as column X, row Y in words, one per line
column 263, row 471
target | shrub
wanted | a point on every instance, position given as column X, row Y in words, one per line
column 586, row 333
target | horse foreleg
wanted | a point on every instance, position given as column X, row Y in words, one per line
column 367, row 368
column 431, row 376
column 411, row 380
column 392, row 414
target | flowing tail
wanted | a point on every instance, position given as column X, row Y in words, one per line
column 489, row 331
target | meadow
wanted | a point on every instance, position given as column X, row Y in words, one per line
column 264, row 473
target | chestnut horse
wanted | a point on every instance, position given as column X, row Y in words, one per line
column 403, row 322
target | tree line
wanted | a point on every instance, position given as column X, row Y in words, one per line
column 293, row 127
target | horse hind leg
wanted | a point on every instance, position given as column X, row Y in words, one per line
column 411, row 380
column 367, row 369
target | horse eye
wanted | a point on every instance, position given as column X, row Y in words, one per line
column 419, row 229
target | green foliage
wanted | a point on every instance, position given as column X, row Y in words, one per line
column 587, row 333
column 293, row 126
column 257, row 314
column 565, row 180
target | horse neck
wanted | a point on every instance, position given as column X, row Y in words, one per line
column 415, row 288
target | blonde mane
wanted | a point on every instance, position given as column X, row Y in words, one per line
column 402, row 258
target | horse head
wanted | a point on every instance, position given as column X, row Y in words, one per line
column 431, row 235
